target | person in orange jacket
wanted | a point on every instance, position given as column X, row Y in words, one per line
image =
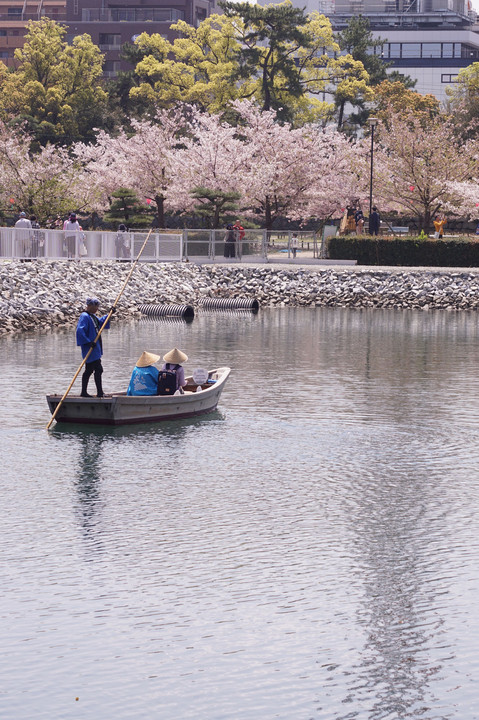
column 439, row 223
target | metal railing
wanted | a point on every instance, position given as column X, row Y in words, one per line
column 29, row 244
column 132, row 14
column 196, row 245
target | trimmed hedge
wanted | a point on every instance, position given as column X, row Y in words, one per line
column 410, row 252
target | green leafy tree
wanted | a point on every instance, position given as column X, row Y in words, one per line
column 292, row 62
column 358, row 41
column 270, row 37
column 121, row 104
column 394, row 97
column 274, row 55
column 55, row 88
column 197, row 68
column 126, row 208
column 215, row 206
column 463, row 101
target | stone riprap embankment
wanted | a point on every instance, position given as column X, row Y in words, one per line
column 41, row 295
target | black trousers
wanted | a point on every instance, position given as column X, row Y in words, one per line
column 94, row 368
column 229, row 249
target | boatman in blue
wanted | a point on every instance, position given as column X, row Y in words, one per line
column 87, row 330
column 144, row 378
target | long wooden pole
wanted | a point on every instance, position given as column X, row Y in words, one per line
column 100, row 330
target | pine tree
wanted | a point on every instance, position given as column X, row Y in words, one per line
column 215, row 206
column 126, row 208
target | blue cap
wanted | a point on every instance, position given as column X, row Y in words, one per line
column 92, row 301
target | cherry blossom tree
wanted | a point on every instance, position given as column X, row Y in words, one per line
column 466, row 199
column 333, row 177
column 142, row 161
column 43, row 183
column 150, row 157
column 298, row 173
column 104, row 169
column 213, row 157
column 418, row 161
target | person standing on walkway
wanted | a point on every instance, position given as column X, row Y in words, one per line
column 439, row 223
column 122, row 243
column 87, row 330
column 23, row 236
column 294, row 244
column 230, row 242
column 35, row 235
column 240, row 235
column 359, row 220
column 72, row 234
column 374, row 221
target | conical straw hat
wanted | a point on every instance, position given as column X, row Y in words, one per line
column 175, row 356
column 146, row 359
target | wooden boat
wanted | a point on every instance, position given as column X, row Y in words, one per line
column 122, row 409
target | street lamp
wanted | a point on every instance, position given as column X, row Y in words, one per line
column 372, row 122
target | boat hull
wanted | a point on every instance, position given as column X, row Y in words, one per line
column 122, row 409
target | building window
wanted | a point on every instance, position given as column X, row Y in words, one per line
column 109, row 40
column 411, row 50
column 14, row 12
column 395, row 50
column 431, row 50
column 467, row 51
column 448, row 50
column 448, row 78
column 2, row 32
column 4, row 54
column 111, row 66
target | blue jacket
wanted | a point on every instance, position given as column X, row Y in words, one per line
column 144, row 381
column 87, row 332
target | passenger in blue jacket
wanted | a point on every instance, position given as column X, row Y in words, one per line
column 144, row 378
column 87, row 330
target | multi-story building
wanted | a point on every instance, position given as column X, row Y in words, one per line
column 111, row 23
column 429, row 40
column 14, row 16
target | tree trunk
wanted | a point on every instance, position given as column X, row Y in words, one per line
column 265, row 83
column 267, row 215
column 160, row 210
column 341, row 115
column 426, row 220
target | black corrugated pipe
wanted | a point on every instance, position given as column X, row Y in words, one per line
column 171, row 310
column 230, row 304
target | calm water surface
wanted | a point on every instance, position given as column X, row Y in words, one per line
column 308, row 551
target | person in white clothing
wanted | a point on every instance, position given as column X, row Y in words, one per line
column 72, row 234
column 24, row 236
column 294, row 244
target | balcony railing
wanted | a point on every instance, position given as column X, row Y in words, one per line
column 134, row 14
column 109, row 46
column 24, row 17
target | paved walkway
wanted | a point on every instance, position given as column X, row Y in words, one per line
column 311, row 264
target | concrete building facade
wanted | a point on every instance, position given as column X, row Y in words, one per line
column 14, row 16
column 110, row 23
column 429, row 40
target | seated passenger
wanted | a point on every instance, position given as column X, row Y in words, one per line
column 144, row 378
column 172, row 365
